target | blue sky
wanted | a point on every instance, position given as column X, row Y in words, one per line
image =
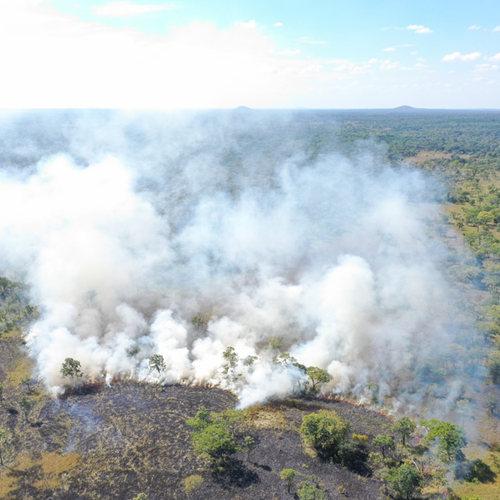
column 197, row 54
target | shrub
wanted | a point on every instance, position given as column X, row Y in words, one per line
column 360, row 439
column 211, row 438
column 326, row 431
column 307, row 492
column 192, row 483
column 406, row 481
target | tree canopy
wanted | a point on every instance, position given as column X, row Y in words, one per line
column 326, row 431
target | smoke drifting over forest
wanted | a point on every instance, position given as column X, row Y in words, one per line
column 126, row 227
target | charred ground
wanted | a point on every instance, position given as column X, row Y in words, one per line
column 113, row 442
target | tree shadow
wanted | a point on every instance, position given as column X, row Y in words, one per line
column 475, row 470
column 234, row 473
column 350, row 456
column 263, row 467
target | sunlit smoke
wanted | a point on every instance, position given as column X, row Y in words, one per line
column 131, row 254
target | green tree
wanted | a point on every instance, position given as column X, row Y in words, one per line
column 157, row 362
column 275, row 343
column 384, row 443
column 231, row 359
column 491, row 403
column 463, row 408
column 288, row 475
column 26, row 381
column 201, row 420
column 308, row 492
column 249, row 445
column 214, row 443
column 450, row 436
column 141, row 496
column 228, row 418
column 199, row 321
column 485, row 217
column 374, row 389
column 71, row 368
column 284, row 360
column 211, row 438
column 317, row 376
column 406, row 481
column 494, row 366
column 326, row 431
column 405, row 427
column 6, row 287
column 249, row 361
column 25, row 405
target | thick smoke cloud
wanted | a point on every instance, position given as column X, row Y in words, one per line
column 127, row 227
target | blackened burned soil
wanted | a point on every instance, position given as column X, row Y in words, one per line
column 132, row 438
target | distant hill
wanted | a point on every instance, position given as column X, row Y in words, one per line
column 406, row 109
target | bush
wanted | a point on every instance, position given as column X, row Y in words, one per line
column 406, row 481
column 326, row 431
column 211, row 437
column 360, row 439
column 307, row 492
column 192, row 483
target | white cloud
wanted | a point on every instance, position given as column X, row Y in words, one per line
column 457, row 56
column 482, row 68
column 474, row 27
column 250, row 25
column 389, row 49
column 389, row 64
column 418, row 28
column 497, row 28
column 495, row 57
column 278, row 25
column 126, row 9
column 68, row 63
column 308, row 39
column 288, row 52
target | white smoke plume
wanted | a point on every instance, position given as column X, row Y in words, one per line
column 126, row 228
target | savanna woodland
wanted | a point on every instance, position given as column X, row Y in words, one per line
column 129, row 439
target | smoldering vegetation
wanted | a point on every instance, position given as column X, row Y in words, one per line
column 185, row 234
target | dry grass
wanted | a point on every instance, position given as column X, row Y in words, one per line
column 42, row 470
column 266, row 417
column 23, row 368
column 484, row 490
